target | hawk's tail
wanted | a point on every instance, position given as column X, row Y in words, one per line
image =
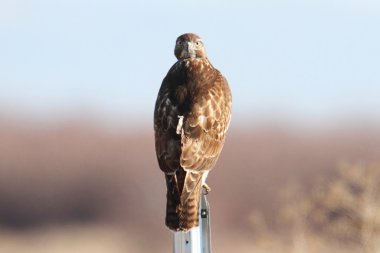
column 183, row 197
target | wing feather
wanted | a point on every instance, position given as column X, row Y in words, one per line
column 205, row 127
column 168, row 144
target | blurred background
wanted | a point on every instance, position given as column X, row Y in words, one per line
column 300, row 171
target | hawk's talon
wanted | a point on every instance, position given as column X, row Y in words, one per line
column 206, row 188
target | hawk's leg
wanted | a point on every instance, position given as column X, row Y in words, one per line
column 206, row 188
column 179, row 126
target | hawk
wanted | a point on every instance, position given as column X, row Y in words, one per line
column 191, row 118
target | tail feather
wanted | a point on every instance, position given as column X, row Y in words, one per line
column 182, row 210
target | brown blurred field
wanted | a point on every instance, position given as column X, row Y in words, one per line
column 78, row 186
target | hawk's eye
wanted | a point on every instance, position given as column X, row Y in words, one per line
column 179, row 42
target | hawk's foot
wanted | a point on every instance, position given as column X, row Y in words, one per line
column 206, row 188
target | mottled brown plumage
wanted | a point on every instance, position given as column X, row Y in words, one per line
column 191, row 117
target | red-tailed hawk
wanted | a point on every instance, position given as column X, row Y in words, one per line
column 191, row 118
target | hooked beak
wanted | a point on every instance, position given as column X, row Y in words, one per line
column 190, row 50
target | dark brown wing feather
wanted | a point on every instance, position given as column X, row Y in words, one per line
column 167, row 141
column 205, row 127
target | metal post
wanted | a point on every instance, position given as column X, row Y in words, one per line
column 198, row 239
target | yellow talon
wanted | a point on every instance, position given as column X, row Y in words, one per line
column 206, row 188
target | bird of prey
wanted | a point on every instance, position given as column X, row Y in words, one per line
column 191, row 118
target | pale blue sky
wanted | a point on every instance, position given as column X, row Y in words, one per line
column 303, row 60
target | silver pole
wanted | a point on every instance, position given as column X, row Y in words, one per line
column 198, row 239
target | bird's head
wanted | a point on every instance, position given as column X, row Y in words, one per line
column 189, row 45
